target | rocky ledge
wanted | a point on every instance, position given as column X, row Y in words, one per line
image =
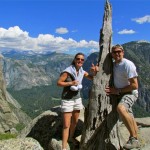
column 46, row 131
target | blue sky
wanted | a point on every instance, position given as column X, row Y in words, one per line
column 69, row 25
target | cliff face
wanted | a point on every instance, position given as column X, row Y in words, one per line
column 27, row 71
column 10, row 112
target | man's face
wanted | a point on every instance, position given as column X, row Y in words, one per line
column 117, row 54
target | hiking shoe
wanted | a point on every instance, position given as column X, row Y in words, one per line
column 132, row 143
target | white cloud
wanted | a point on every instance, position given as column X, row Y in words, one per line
column 126, row 31
column 15, row 38
column 142, row 19
column 13, row 33
column 94, row 50
column 62, row 30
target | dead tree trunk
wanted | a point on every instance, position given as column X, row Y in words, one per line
column 100, row 126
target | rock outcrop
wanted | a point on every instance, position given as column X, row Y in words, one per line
column 47, row 129
column 43, row 128
column 10, row 110
column 20, row 144
column 143, row 132
column 44, row 132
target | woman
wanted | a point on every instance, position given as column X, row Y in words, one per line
column 71, row 104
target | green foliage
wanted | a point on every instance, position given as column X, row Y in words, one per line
column 6, row 136
column 19, row 126
column 38, row 99
column 31, row 65
column 139, row 112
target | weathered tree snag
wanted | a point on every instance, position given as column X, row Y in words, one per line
column 100, row 126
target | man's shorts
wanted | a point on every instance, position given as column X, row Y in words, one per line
column 128, row 100
column 71, row 105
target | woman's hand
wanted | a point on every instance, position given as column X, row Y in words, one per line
column 94, row 69
column 75, row 82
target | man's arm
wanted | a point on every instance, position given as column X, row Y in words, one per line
column 133, row 86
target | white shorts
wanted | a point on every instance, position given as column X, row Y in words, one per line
column 70, row 105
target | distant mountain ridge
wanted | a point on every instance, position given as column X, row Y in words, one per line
column 14, row 53
column 23, row 71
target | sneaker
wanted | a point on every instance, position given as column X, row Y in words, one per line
column 132, row 143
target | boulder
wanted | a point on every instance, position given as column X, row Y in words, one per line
column 18, row 144
column 47, row 129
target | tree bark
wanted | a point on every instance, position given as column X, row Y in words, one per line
column 100, row 125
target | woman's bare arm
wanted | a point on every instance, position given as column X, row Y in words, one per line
column 61, row 81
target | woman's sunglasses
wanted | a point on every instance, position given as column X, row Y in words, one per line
column 80, row 59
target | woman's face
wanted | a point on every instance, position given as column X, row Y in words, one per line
column 79, row 60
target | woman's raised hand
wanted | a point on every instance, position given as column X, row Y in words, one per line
column 94, row 69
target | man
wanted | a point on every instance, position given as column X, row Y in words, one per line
column 126, row 89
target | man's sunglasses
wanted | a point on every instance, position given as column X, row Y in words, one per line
column 115, row 52
column 79, row 59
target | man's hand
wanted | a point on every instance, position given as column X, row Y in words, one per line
column 111, row 90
